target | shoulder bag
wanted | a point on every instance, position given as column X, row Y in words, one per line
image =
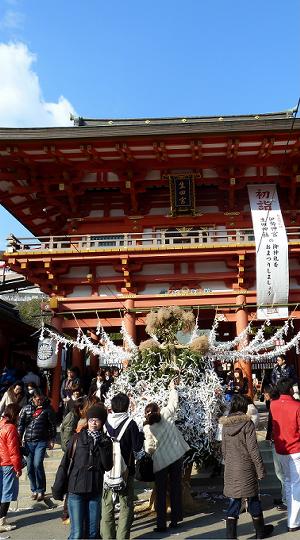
column 144, row 469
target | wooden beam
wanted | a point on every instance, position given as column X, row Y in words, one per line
column 266, row 147
column 232, row 148
column 196, row 147
column 124, row 151
column 160, row 151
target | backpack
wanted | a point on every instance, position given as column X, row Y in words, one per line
column 116, row 478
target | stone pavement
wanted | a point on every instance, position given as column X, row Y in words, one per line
column 41, row 523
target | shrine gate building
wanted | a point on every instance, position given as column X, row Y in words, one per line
column 129, row 215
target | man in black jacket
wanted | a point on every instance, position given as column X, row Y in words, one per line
column 37, row 424
column 131, row 441
column 282, row 371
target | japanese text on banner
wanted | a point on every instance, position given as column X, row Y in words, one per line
column 272, row 266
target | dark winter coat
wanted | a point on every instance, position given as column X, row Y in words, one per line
column 90, row 462
column 37, row 425
column 243, row 462
column 282, row 372
column 104, row 388
column 66, row 387
column 68, row 428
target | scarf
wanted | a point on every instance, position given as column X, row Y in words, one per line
column 96, row 436
column 115, row 419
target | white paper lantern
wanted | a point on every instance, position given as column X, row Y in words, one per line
column 47, row 355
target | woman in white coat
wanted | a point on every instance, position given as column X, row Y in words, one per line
column 167, row 446
column 14, row 394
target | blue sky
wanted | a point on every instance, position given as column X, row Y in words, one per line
column 142, row 59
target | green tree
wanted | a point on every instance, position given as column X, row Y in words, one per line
column 31, row 313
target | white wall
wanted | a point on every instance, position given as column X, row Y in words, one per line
column 155, row 288
column 77, row 272
column 215, row 286
column 104, row 271
column 211, row 266
column 81, row 290
column 110, row 290
column 156, row 269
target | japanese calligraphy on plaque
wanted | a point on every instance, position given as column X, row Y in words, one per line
column 182, row 194
column 272, row 265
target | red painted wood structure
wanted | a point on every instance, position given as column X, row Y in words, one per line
column 129, row 215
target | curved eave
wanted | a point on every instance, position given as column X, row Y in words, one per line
column 160, row 129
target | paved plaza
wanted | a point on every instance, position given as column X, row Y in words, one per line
column 41, row 523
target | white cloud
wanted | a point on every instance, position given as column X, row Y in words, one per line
column 21, row 100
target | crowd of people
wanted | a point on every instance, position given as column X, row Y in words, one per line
column 243, row 465
column 89, row 434
column 100, row 448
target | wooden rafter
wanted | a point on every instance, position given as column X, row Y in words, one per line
column 89, row 151
column 266, row 147
column 232, row 148
column 295, row 149
column 196, row 147
column 160, row 151
column 125, row 152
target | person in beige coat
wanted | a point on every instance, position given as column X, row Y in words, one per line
column 243, row 468
column 14, row 394
column 167, row 446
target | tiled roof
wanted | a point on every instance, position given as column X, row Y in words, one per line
column 175, row 121
column 114, row 128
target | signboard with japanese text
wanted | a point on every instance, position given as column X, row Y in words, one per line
column 182, row 194
column 272, row 263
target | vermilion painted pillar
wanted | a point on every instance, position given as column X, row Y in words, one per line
column 129, row 319
column 77, row 359
column 56, row 378
column 241, row 324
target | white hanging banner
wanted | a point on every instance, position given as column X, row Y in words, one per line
column 272, row 262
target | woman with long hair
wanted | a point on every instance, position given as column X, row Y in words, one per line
column 10, row 462
column 167, row 446
column 14, row 394
column 243, row 468
column 98, row 385
column 240, row 383
column 87, row 403
column 76, row 397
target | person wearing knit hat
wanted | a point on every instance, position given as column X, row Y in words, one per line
column 97, row 411
column 80, row 474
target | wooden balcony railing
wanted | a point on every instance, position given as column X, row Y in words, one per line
column 145, row 239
